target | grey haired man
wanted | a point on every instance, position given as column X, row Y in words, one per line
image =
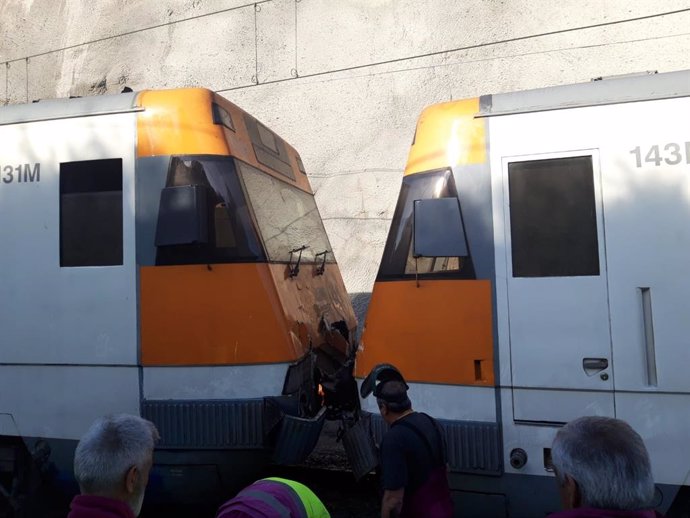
column 112, row 463
column 602, row 469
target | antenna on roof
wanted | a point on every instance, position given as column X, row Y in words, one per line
column 621, row 76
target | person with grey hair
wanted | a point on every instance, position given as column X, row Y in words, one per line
column 112, row 463
column 602, row 469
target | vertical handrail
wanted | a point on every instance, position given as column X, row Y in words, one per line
column 648, row 325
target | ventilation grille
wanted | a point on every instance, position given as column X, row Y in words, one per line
column 473, row 447
column 233, row 424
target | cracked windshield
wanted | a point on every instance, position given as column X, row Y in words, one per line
column 286, row 216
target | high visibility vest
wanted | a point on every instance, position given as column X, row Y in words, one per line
column 311, row 502
column 274, row 498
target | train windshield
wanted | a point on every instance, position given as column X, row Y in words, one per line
column 398, row 256
column 232, row 236
column 287, row 217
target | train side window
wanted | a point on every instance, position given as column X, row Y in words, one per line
column 300, row 165
column 222, row 117
column 399, row 261
column 268, row 139
column 553, row 220
column 228, row 233
column 269, row 148
column 91, row 213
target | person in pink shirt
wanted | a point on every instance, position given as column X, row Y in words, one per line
column 602, row 469
column 112, row 464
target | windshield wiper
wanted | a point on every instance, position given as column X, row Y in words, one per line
column 294, row 268
column 322, row 267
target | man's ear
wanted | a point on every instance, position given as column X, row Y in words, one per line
column 132, row 480
column 570, row 493
column 384, row 409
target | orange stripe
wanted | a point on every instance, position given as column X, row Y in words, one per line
column 223, row 314
column 178, row 122
column 448, row 134
column 436, row 155
column 439, row 332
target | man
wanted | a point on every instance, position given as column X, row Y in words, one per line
column 112, row 464
column 602, row 469
column 413, row 459
column 274, row 498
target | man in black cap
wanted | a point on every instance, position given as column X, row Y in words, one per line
column 413, row 458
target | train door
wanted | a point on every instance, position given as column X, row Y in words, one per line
column 560, row 340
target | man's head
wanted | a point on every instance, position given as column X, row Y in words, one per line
column 602, row 462
column 391, row 397
column 114, row 458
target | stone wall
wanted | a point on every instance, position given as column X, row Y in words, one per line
column 342, row 80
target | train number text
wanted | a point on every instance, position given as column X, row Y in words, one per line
column 21, row 173
column 672, row 153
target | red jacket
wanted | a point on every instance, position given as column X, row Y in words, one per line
column 87, row 506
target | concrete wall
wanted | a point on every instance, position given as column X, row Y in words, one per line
column 342, row 80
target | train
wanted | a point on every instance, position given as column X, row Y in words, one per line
column 536, row 271
column 162, row 254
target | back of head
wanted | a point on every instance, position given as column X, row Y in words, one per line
column 394, row 395
column 608, row 460
column 111, row 446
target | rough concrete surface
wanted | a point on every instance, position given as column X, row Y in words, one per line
column 275, row 40
column 343, row 81
column 3, row 84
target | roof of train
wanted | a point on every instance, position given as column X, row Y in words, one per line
column 604, row 91
column 441, row 138
column 65, row 108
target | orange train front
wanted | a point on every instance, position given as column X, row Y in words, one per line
column 433, row 295
column 244, row 328
column 431, row 311
column 434, row 314
column 260, row 286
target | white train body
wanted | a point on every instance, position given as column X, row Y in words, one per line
column 575, row 205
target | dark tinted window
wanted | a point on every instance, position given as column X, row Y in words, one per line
column 300, row 165
column 269, row 148
column 553, row 219
column 221, row 116
column 398, row 255
column 91, row 213
column 231, row 233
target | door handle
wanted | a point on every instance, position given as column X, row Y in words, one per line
column 592, row 366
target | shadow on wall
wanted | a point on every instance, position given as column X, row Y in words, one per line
column 360, row 303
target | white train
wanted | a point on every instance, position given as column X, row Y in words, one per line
column 536, row 270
